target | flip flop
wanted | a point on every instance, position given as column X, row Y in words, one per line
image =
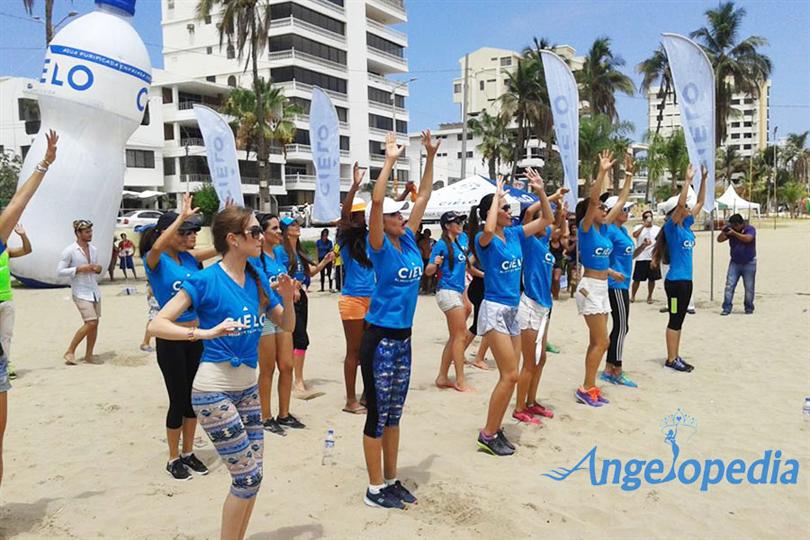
column 476, row 366
column 70, row 359
column 306, row 395
column 358, row 410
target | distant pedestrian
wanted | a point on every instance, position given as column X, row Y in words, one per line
column 645, row 235
column 742, row 239
column 126, row 254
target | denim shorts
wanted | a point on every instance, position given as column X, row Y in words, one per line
column 5, row 385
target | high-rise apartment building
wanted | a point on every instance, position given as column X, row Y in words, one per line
column 347, row 48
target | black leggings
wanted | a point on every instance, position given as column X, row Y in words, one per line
column 620, row 313
column 326, row 273
column 475, row 292
column 300, row 336
column 338, row 278
column 178, row 361
column 678, row 295
column 385, row 363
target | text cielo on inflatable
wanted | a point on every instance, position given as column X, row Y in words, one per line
column 93, row 92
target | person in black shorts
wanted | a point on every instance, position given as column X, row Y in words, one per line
column 645, row 235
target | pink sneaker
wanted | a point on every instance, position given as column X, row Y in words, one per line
column 539, row 410
column 526, row 418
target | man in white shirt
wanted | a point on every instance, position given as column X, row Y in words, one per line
column 79, row 262
column 645, row 235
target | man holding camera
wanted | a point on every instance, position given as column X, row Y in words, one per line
column 742, row 239
column 645, row 235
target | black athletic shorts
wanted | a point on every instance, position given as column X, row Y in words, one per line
column 644, row 272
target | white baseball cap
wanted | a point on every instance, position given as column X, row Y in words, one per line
column 390, row 206
column 610, row 202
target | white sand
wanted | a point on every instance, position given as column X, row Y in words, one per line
column 85, row 450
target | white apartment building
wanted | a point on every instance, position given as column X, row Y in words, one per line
column 748, row 126
column 348, row 48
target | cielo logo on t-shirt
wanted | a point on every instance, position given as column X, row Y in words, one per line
column 253, row 323
column 688, row 244
column 602, row 252
column 549, row 258
column 513, row 265
column 628, row 250
column 409, row 274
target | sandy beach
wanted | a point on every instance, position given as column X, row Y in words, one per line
column 85, row 451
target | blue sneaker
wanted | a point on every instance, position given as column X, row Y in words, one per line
column 401, row 492
column 624, row 380
column 590, row 397
column 607, row 377
column 384, row 499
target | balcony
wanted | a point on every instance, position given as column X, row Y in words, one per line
column 387, row 32
column 293, row 86
column 387, row 84
column 307, row 182
column 386, row 62
column 335, row 8
column 186, row 105
column 387, row 11
column 380, row 159
column 288, row 24
column 192, row 141
column 302, row 58
column 304, row 119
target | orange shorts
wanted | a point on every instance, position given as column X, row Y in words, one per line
column 353, row 308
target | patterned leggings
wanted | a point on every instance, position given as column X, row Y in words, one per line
column 385, row 362
column 233, row 422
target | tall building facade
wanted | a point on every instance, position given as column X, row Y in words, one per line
column 347, row 48
column 748, row 125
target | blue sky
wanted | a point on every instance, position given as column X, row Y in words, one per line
column 441, row 31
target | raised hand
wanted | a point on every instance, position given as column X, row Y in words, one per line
column 18, row 228
column 606, row 161
column 536, row 181
column 286, row 287
column 392, row 150
column 629, row 164
column 690, row 173
column 430, row 148
column 500, row 193
column 704, row 172
column 357, row 175
column 559, row 194
column 50, row 152
column 187, row 210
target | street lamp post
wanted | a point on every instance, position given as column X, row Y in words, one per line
column 394, row 117
column 49, row 30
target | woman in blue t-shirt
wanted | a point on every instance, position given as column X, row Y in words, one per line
column 674, row 246
column 385, row 352
column 324, row 247
column 276, row 345
column 299, row 266
column 621, row 260
column 591, row 296
column 231, row 300
column 169, row 258
column 449, row 255
column 358, row 285
column 499, row 249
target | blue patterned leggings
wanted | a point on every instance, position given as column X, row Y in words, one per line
column 233, row 422
column 385, row 362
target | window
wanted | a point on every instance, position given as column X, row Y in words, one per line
column 506, row 61
column 490, row 80
column 24, row 150
column 327, row 82
column 376, row 42
column 457, row 88
column 140, row 159
column 208, row 19
column 380, row 122
column 230, row 52
column 469, row 154
column 232, row 81
column 145, row 120
column 211, row 78
column 168, row 132
column 381, row 96
column 171, row 4
column 735, row 101
column 302, row 44
column 748, row 124
column 167, row 95
column 303, row 104
column 193, row 165
column 288, row 9
column 747, row 135
column 209, row 50
column 375, row 148
column 344, row 142
column 480, row 85
column 749, row 112
column 735, row 124
column 735, row 135
column 27, row 109
column 169, row 167
column 402, row 126
column 746, row 147
column 735, row 147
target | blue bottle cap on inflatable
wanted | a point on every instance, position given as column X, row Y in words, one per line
column 124, row 5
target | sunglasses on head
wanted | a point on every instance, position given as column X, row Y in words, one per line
column 254, row 232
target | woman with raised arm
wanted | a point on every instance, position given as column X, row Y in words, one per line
column 674, row 246
column 275, row 345
column 231, row 300
column 358, row 285
column 385, row 353
column 169, row 258
column 499, row 248
column 8, row 220
column 591, row 295
column 449, row 256
column 301, row 268
column 621, row 261
column 534, row 311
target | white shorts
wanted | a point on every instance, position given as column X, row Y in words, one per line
column 498, row 317
column 532, row 315
column 448, row 299
column 592, row 296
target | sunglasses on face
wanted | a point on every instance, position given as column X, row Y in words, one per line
column 506, row 208
column 254, row 232
column 188, row 233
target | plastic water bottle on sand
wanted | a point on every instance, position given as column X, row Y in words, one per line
column 329, row 448
column 806, row 409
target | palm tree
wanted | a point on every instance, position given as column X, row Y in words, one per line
column 619, row 144
column 523, row 102
column 797, row 155
column 655, row 69
column 655, row 162
column 738, row 67
column 495, row 147
column 29, row 8
column 676, row 157
column 244, row 24
column 729, row 162
column 600, row 79
column 596, row 133
column 543, row 124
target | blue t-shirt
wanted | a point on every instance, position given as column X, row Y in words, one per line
column 166, row 278
column 216, row 297
column 502, row 263
column 621, row 258
column 680, row 243
column 300, row 272
column 452, row 280
column 357, row 279
column 537, row 269
column 323, row 247
column 594, row 247
column 271, row 266
column 398, row 273
column 2, row 247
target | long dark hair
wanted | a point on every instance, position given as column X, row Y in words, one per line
column 473, row 228
column 660, row 254
column 355, row 238
column 264, row 221
column 235, row 219
column 293, row 253
column 450, row 252
column 148, row 239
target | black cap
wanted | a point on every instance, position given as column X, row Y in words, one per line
column 451, row 216
column 165, row 221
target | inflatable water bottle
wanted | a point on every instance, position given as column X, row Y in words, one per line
column 93, row 92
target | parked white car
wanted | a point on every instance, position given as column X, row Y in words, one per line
column 138, row 217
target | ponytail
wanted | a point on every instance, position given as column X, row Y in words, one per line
column 473, row 228
column 148, row 239
column 264, row 300
column 660, row 254
column 450, row 253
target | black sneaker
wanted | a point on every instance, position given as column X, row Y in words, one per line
column 194, row 464
column 401, row 492
column 679, row 365
column 384, row 499
column 495, row 445
column 290, row 421
column 274, row 427
column 178, row 470
column 506, row 441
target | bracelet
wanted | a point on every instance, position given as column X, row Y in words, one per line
column 191, row 335
column 41, row 168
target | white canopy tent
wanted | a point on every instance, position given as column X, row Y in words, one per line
column 146, row 194
column 460, row 197
column 730, row 200
column 691, row 200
